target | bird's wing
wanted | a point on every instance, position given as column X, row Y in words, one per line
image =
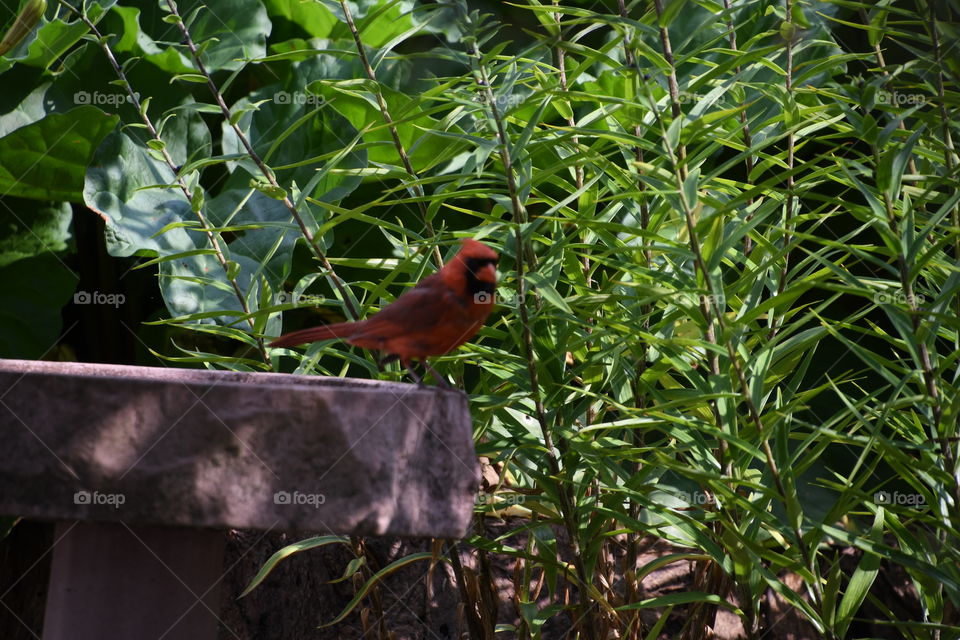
column 420, row 309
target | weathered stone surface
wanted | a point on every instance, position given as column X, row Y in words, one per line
column 233, row 450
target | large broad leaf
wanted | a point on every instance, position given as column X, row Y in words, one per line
column 47, row 159
column 312, row 17
column 196, row 284
column 287, row 129
column 144, row 214
column 354, row 100
column 269, row 243
column 29, row 228
column 31, row 94
column 358, row 8
column 121, row 186
column 229, row 31
column 25, row 102
column 186, row 135
column 380, row 22
column 53, row 38
column 32, row 292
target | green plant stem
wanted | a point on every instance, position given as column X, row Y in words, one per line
column 744, row 125
column 561, row 56
column 678, row 159
column 927, row 369
column 212, row 237
column 672, row 84
column 777, row 320
column 264, row 169
column 631, row 557
column 882, row 64
column 398, row 145
column 950, row 152
column 715, row 317
column 950, row 454
column 567, row 499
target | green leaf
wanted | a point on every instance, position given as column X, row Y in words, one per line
column 195, row 78
column 228, row 31
column 268, row 189
column 374, row 579
column 30, row 227
column 686, row 597
column 126, row 186
column 356, row 101
column 545, row 288
column 32, row 292
column 196, row 202
column 672, row 9
column 51, row 41
column 47, row 160
column 878, row 21
column 271, row 245
column 893, row 163
column 295, row 145
column 233, row 269
column 352, row 568
column 286, row 552
column 312, row 17
column 862, row 579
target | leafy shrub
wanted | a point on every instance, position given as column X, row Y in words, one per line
column 730, row 236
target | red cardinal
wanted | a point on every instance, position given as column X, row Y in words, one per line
column 435, row 317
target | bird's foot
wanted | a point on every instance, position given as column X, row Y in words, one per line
column 387, row 359
column 413, row 374
column 441, row 381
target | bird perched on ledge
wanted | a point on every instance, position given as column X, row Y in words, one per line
column 435, row 317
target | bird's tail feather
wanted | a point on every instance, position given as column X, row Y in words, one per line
column 326, row 332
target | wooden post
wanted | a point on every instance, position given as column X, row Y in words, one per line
column 116, row 581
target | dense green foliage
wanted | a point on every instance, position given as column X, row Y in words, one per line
column 729, row 286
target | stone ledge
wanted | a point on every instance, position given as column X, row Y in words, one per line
column 197, row 448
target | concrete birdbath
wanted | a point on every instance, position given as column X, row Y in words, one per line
column 144, row 468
